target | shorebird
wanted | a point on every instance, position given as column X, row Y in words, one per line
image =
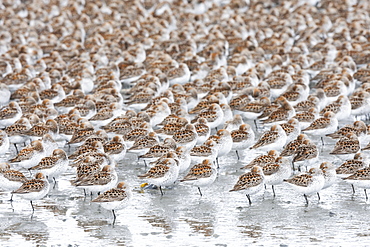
column 308, row 183
column 251, row 182
column 115, row 199
column 34, row 189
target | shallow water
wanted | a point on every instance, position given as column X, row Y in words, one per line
column 182, row 218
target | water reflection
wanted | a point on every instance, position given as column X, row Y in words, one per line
column 203, row 227
column 158, row 222
column 116, row 234
column 31, row 230
column 201, row 215
column 252, row 231
column 103, row 229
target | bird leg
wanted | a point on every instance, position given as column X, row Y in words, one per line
column 200, row 192
column 365, row 194
column 55, row 183
column 114, row 217
column 305, row 197
column 249, row 199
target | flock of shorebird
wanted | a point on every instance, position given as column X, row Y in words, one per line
column 182, row 84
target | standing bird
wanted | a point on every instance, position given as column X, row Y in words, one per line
column 282, row 114
column 201, row 175
column 115, row 199
column 251, row 182
column 163, row 174
column 187, row 137
column 276, row 172
column 348, row 144
column 30, row 155
column 98, row 181
column 307, row 154
column 10, row 179
column 330, row 174
column 34, row 189
column 322, row 126
column 53, row 166
column 292, row 147
column 242, row 138
column 262, row 159
column 308, row 183
column 350, row 166
column 9, row 114
column 275, row 138
column 361, row 179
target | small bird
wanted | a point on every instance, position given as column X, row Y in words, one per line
column 10, row 179
column 98, row 181
column 275, row 138
column 224, row 142
column 308, row 183
column 213, row 114
column 34, row 189
column 262, row 159
column 142, row 145
column 158, row 150
column 291, row 128
column 86, row 148
column 358, row 127
column 85, row 130
column 282, row 114
column 203, row 130
column 255, row 109
column 322, row 126
column 361, row 179
column 234, row 123
column 243, row 138
column 40, row 129
column 350, row 166
column 115, row 199
column 251, row 182
column 163, row 174
column 307, row 154
column 15, row 131
column 275, row 173
column 201, row 175
column 292, row 147
column 187, row 137
column 208, row 150
column 348, row 144
column 9, row 114
column 52, row 166
column 330, row 174
column 30, row 155
column 87, row 166
column 116, row 148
